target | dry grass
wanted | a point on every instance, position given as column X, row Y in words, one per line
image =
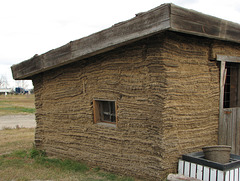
column 16, row 139
column 23, row 164
column 16, row 104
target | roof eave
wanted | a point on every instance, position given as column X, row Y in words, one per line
column 141, row 26
column 164, row 17
column 196, row 23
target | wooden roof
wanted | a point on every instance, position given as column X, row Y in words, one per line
column 164, row 17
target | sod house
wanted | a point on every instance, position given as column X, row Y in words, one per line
column 136, row 96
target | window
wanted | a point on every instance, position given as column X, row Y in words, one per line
column 104, row 111
column 232, row 86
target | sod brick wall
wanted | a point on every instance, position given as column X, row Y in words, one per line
column 167, row 94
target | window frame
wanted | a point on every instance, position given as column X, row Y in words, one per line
column 98, row 114
column 231, row 85
column 223, row 73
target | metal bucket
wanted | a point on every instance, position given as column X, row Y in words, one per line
column 217, row 153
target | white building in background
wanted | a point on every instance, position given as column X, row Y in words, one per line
column 5, row 90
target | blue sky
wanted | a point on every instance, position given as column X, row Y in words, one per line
column 30, row 27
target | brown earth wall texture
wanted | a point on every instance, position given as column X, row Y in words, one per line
column 190, row 118
column 134, row 77
column 167, row 92
column 191, row 107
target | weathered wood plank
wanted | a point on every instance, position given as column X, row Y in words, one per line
column 186, row 26
column 96, row 111
column 213, row 174
column 228, row 119
column 232, row 175
column 187, row 168
column 194, row 16
column 227, row 174
column 139, row 27
column 31, row 66
column 116, row 114
column 236, row 174
column 238, row 132
column 230, row 131
column 193, row 170
column 193, row 22
column 227, row 58
column 220, row 175
column 181, row 167
column 222, row 125
column 199, row 172
column 164, row 17
column 238, row 88
column 206, row 172
column 234, row 130
column 178, row 177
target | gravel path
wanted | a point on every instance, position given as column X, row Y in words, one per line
column 19, row 120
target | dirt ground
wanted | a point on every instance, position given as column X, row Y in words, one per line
column 20, row 120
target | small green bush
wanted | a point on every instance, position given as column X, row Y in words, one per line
column 35, row 153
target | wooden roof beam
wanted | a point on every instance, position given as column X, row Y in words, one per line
column 164, row 17
column 143, row 25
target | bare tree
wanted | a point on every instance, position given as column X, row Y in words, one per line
column 3, row 81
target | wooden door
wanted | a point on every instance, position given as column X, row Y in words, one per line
column 229, row 119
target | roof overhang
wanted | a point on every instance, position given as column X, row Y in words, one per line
column 164, row 17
